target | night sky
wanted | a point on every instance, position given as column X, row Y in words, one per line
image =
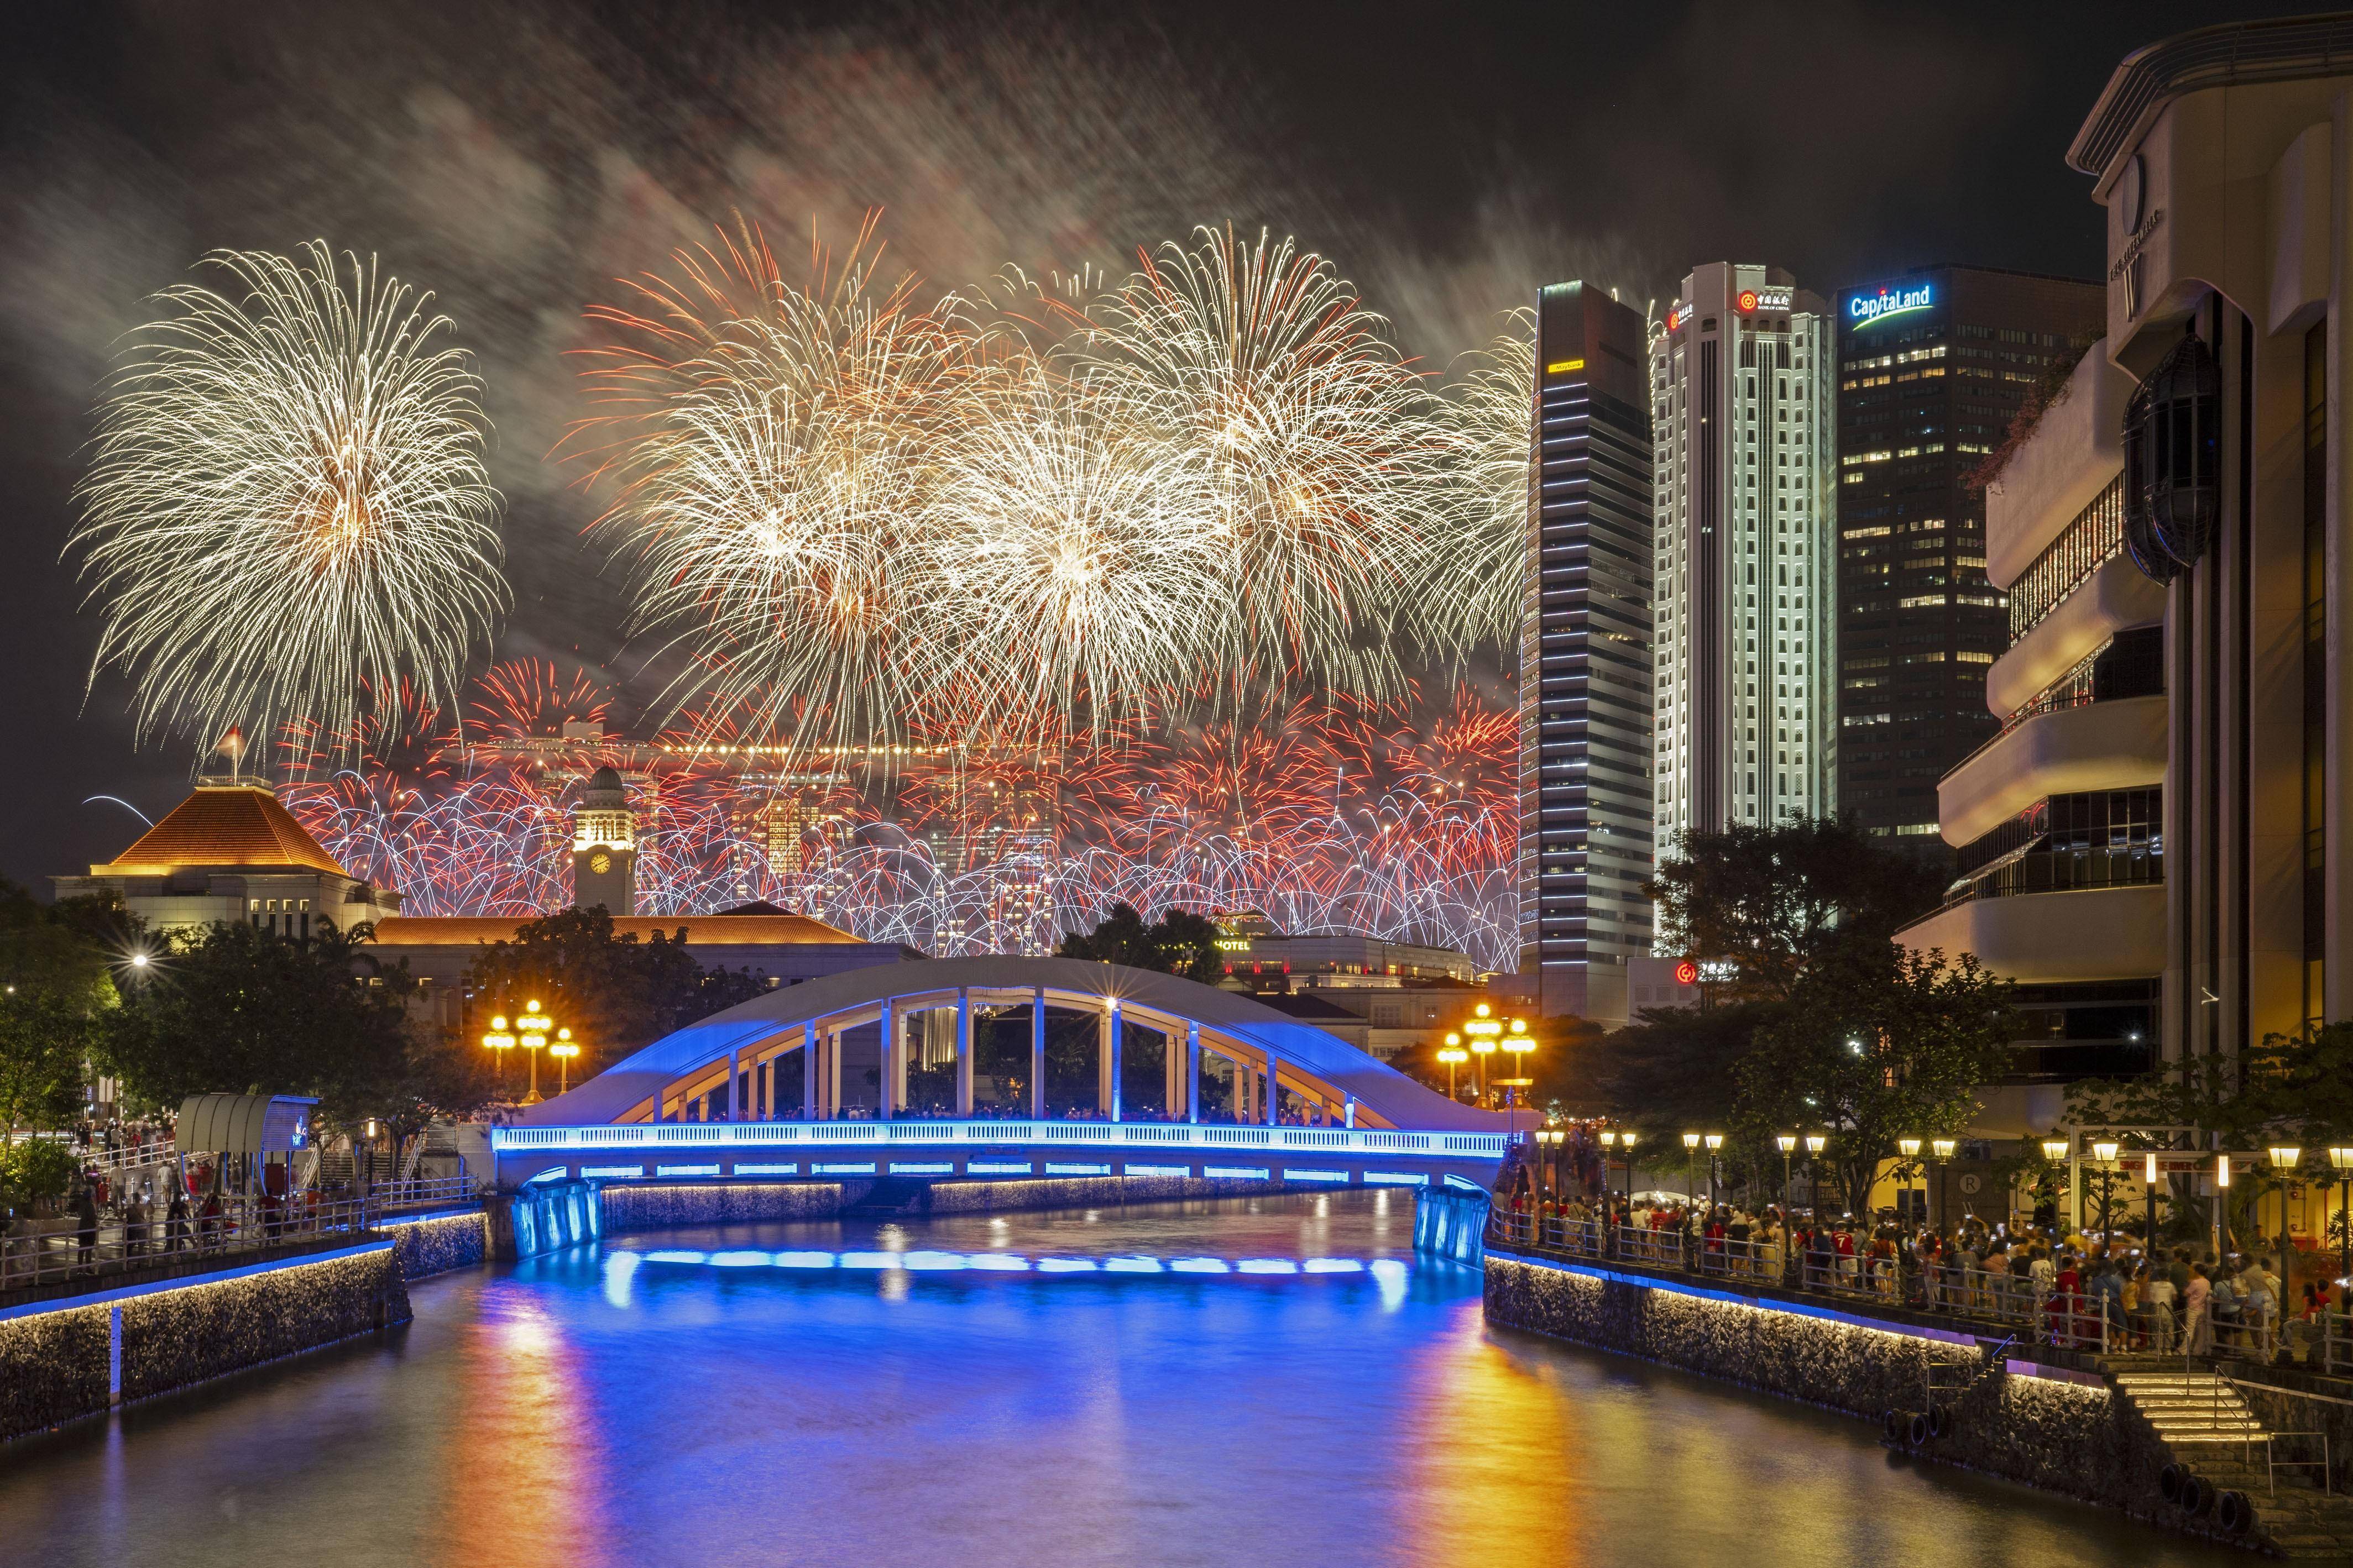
column 516, row 158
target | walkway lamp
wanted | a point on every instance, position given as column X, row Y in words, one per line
column 564, row 1050
column 2148, row 1177
column 1787, row 1143
column 1453, row 1056
column 1626, row 1140
column 2105, row 1151
column 1715, row 1141
column 1815, row 1143
column 533, row 1027
column 1910, row 1149
column 1691, row 1165
column 2285, row 1157
column 1944, row 1149
column 2342, row 1158
column 500, row 1042
column 2055, row 1149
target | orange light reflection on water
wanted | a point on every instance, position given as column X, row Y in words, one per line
column 526, row 1466
column 1492, row 1441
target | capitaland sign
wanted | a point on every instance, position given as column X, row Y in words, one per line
column 1868, row 310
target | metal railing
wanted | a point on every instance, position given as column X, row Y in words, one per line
column 1158, row 1135
column 243, row 1225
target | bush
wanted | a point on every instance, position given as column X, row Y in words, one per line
column 33, row 1170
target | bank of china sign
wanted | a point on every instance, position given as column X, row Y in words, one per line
column 1865, row 309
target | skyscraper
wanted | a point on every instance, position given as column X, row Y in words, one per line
column 1741, row 390
column 1585, row 658
column 1932, row 368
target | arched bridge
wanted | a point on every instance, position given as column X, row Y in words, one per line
column 758, row 1092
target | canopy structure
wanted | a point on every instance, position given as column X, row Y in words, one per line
column 263, row 1125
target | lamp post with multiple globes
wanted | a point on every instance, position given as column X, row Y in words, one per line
column 499, row 1041
column 565, row 1048
column 1453, row 1056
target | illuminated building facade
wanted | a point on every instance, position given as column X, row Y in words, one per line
column 1932, row 368
column 1585, row 846
column 1742, row 390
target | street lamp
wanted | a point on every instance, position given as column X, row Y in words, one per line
column 1691, row 1166
column 2342, row 1158
column 2053, row 1150
column 1626, row 1140
column 2285, row 1157
column 2148, row 1178
column 564, row 1050
column 500, row 1042
column 1787, row 1143
column 1714, row 1142
column 1910, row 1149
column 1453, row 1056
column 1944, row 1149
column 1815, row 1143
column 1483, row 1029
column 2105, row 1151
column 533, row 1025
column 1517, row 1043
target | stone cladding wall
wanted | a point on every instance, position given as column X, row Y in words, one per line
column 2050, row 1433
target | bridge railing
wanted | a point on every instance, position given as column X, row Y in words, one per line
column 1209, row 1136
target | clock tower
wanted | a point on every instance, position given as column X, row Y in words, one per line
column 604, row 847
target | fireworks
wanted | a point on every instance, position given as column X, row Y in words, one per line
column 288, row 508
column 1391, row 818
column 1027, row 510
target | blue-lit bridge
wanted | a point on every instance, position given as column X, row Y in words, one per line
column 756, row 1093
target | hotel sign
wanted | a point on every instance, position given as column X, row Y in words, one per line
column 1869, row 310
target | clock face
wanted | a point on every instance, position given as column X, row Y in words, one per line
column 600, row 862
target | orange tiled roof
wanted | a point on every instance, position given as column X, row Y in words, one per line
column 239, row 825
column 701, row 931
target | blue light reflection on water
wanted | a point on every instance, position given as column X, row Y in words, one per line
column 623, row 1406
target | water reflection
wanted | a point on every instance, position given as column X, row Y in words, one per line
column 1257, row 1381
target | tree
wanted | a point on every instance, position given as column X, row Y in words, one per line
column 233, row 1008
column 1671, row 1072
column 1180, row 944
column 615, row 993
column 1768, row 900
column 56, row 964
column 1875, row 1044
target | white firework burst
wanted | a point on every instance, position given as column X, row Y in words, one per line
column 287, row 515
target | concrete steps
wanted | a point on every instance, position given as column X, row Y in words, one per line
column 2206, row 1425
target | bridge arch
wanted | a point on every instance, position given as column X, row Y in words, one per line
column 744, row 1048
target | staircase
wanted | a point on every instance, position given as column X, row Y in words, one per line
column 2206, row 1425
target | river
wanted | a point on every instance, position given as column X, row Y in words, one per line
column 1252, row 1382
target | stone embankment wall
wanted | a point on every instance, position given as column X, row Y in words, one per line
column 429, row 1246
column 2049, row 1432
column 60, row 1363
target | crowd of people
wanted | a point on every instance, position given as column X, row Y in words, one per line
column 2086, row 1291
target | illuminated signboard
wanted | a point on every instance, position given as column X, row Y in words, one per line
column 1559, row 366
column 1866, row 310
column 1686, row 973
column 1677, row 317
column 1752, row 300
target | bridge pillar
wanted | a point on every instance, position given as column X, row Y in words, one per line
column 1102, row 1060
column 964, row 1051
column 890, row 1090
column 1117, row 1037
column 735, row 1086
column 1038, row 1054
column 808, row 1070
column 833, row 1074
column 1192, row 1101
column 1273, row 1101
